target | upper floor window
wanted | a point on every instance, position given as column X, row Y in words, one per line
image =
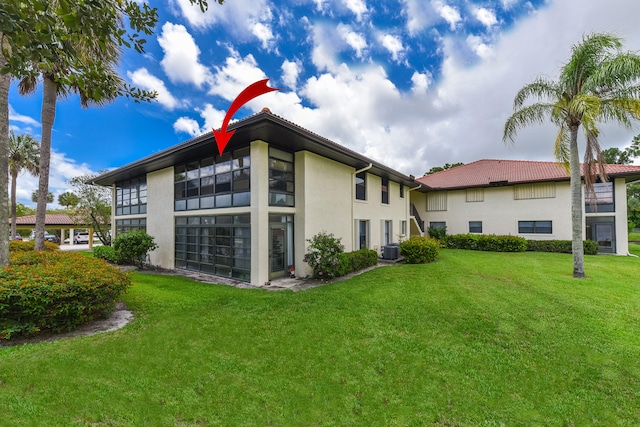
column 361, row 186
column 601, row 200
column 401, row 191
column 475, row 194
column 385, row 191
column 131, row 197
column 437, row 201
column 281, row 178
column 542, row 190
column 214, row 182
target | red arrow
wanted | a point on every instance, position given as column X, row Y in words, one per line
column 252, row 91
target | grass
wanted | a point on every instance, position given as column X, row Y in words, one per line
column 634, row 237
column 473, row 339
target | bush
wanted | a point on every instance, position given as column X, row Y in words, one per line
column 357, row 260
column 21, row 246
column 438, row 233
column 106, row 252
column 485, row 242
column 420, row 250
column 56, row 291
column 323, row 255
column 132, row 247
column 561, row 246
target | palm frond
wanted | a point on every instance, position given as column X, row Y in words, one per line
column 532, row 114
column 593, row 163
column 615, row 73
column 540, row 88
column 586, row 58
column 562, row 147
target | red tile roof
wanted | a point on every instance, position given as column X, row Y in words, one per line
column 486, row 173
column 50, row 219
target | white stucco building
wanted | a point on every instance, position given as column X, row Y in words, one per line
column 247, row 214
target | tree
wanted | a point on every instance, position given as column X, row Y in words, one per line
column 621, row 157
column 447, row 166
column 23, row 155
column 598, row 84
column 68, row 199
column 93, row 207
column 35, row 196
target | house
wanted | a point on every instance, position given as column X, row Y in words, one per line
column 528, row 199
column 247, row 214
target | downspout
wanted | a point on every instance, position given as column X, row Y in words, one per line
column 409, row 207
column 353, row 199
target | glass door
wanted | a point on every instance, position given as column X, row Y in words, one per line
column 277, row 250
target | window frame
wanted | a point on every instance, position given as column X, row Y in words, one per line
column 384, row 190
column 361, row 187
column 475, row 227
column 536, row 227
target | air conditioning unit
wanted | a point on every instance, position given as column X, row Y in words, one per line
column 391, row 251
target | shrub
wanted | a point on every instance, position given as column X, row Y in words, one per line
column 486, row 242
column 21, row 246
column 357, row 260
column 106, row 252
column 132, row 247
column 561, row 246
column 438, row 233
column 56, row 291
column 420, row 250
column 323, row 255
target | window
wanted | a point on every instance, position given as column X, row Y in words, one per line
column 403, row 228
column 134, row 224
column 535, row 227
column 386, row 232
column 219, row 245
column 544, row 190
column 475, row 226
column 385, row 191
column 281, row 178
column 402, row 191
column 214, row 182
column 131, row 197
column 437, row 201
column 475, row 195
column 361, row 186
column 438, row 225
column 363, row 234
column 601, row 200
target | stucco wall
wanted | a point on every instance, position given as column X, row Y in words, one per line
column 160, row 216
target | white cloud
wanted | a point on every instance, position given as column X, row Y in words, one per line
column 263, row 33
column 419, row 15
column 485, row 16
column 236, row 74
column 480, row 48
column 358, row 7
column 290, row 72
column 394, row 45
column 448, row 13
column 181, row 56
column 16, row 117
column 187, row 125
column 421, row 82
column 356, row 41
column 145, row 80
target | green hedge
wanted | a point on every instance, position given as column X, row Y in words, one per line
column 485, row 242
column 21, row 246
column 357, row 260
column 56, row 291
column 562, row 246
column 107, row 253
column 420, row 250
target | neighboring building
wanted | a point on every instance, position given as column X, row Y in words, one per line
column 61, row 225
column 248, row 213
column 527, row 199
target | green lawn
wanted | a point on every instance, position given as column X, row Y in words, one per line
column 634, row 237
column 473, row 339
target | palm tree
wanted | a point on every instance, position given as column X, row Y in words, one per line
column 98, row 58
column 599, row 84
column 23, row 155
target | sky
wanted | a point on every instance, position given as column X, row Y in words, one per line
column 412, row 84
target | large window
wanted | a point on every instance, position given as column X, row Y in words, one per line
column 535, row 227
column 363, row 234
column 214, row 182
column 131, row 197
column 437, row 201
column 133, row 224
column 361, row 186
column 385, row 191
column 281, row 178
column 542, row 190
column 219, row 245
column 601, row 200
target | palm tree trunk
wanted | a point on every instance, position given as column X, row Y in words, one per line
column 5, row 81
column 48, row 117
column 14, row 208
column 577, row 245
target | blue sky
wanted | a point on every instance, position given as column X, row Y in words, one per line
column 411, row 83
